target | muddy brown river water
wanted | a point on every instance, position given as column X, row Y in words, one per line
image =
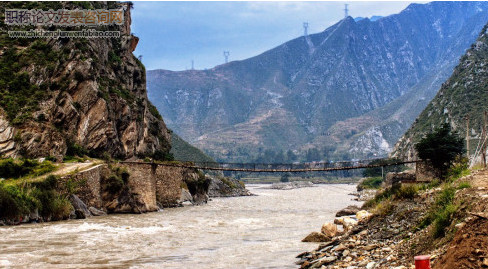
column 262, row 231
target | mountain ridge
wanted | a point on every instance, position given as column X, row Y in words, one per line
column 291, row 96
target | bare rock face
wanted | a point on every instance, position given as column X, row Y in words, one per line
column 96, row 99
column 7, row 143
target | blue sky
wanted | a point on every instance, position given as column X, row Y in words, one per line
column 172, row 34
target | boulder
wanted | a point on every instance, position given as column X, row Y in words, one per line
column 346, row 222
column 316, row 237
column 34, row 216
column 81, row 210
column 363, row 216
column 185, row 196
column 96, row 212
column 329, row 229
column 348, row 211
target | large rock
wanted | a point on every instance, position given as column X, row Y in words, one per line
column 329, row 229
column 346, row 222
column 96, row 212
column 81, row 210
column 226, row 187
column 316, row 237
column 363, row 216
column 348, row 211
column 185, row 196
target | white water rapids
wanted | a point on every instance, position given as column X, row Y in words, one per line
column 262, row 231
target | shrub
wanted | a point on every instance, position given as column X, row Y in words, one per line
column 441, row 212
column 114, row 184
column 285, row 178
column 14, row 202
column 371, row 183
column 160, row 155
column 406, row 192
column 443, row 220
column 464, row 185
column 75, row 149
column 459, row 169
column 228, row 182
column 10, row 168
column 384, row 208
column 378, row 198
column 61, row 209
column 124, row 174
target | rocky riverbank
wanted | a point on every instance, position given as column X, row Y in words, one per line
column 447, row 221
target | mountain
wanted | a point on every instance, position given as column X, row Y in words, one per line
column 464, row 93
column 349, row 91
column 68, row 95
column 183, row 151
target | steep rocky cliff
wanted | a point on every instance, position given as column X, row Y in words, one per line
column 81, row 94
column 464, row 93
column 353, row 88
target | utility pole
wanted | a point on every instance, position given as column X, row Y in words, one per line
column 226, row 55
column 305, row 26
column 484, row 141
column 346, row 11
column 467, row 136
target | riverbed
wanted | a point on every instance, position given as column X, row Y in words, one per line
column 262, row 231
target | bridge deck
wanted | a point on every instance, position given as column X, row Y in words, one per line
column 279, row 167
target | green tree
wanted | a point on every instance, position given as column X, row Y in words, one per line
column 285, row 177
column 290, row 156
column 440, row 148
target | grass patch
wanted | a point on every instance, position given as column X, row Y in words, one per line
column 384, row 208
column 371, row 183
column 117, row 181
column 17, row 201
column 228, row 182
column 14, row 169
column 442, row 211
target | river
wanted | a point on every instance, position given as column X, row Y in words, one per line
column 262, row 231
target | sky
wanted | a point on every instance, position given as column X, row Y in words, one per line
column 172, row 34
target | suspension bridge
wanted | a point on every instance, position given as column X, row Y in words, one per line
column 278, row 168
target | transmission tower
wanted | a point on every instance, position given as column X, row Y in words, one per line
column 226, row 55
column 305, row 26
column 346, row 11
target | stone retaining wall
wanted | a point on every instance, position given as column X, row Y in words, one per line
column 154, row 185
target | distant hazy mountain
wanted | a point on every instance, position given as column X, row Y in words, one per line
column 465, row 92
column 350, row 91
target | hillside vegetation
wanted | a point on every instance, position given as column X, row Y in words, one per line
column 464, row 93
